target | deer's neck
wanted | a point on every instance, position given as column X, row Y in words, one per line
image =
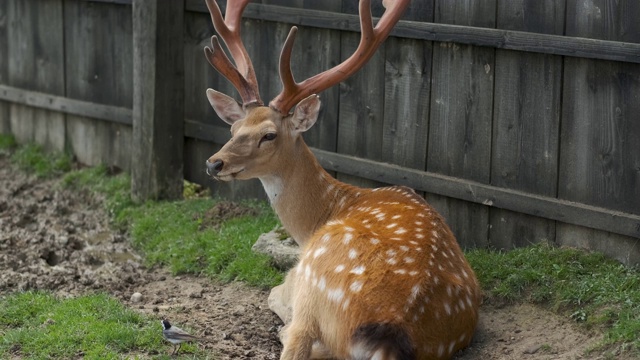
column 304, row 195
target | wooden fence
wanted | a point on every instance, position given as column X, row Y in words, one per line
column 519, row 120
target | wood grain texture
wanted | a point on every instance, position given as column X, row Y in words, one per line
column 445, row 32
column 526, row 123
column 36, row 62
column 600, row 137
column 158, row 99
column 460, row 119
column 5, row 122
column 99, row 70
column 360, row 130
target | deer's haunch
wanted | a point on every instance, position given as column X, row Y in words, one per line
column 385, row 276
column 380, row 276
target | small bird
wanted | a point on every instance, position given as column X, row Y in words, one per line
column 176, row 336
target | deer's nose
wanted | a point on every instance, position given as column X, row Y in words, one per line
column 213, row 168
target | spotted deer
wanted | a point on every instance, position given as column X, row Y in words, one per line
column 380, row 274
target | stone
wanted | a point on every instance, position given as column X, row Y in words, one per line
column 136, row 297
column 283, row 252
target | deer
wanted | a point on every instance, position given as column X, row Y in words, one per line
column 380, row 274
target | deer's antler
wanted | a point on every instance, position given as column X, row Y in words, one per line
column 370, row 40
column 241, row 75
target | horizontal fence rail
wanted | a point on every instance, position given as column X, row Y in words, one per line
column 493, row 196
column 69, row 106
column 496, row 38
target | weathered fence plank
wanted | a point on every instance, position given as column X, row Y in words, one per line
column 599, row 157
column 5, row 123
column 526, row 134
column 460, row 120
column 361, row 109
column 158, row 99
column 36, row 62
column 407, row 93
column 100, row 67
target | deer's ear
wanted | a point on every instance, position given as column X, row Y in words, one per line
column 306, row 113
column 227, row 108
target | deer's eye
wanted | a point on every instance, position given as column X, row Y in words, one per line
column 267, row 137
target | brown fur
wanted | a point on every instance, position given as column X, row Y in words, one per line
column 369, row 256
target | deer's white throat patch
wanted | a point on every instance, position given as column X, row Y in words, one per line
column 273, row 187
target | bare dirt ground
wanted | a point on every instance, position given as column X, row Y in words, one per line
column 60, row 240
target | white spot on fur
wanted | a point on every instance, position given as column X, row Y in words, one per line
column 345, row 304
column 447, row 308
column 451, row 345
column 347, row 238
column 353, row 254
column 400, row 271
column 395, row 217
column 325, row 238
column 404, row 248
column 319, row 251
column 335, row 295
column 358, row 270
column 322, row 284
column 415, row 290
column 440, row 350
column 400, row 231
column 413, row 273
column 392, row 225
column 339, row 268
column 408, row 260
column 392, row 261
column 374, row 241
column 391, row 252
column 356, row 286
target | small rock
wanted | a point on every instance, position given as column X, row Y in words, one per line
column 532, row 349
column 136, row 297
column 283, row 256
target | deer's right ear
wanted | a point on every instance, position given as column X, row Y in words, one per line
column 227, row 108
column 306, row 113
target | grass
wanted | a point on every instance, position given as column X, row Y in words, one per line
column 587, row 287
column 223, row 253
column 38, row 325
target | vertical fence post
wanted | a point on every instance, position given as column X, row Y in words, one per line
column 158, row 99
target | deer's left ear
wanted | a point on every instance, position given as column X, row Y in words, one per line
column 306, row 113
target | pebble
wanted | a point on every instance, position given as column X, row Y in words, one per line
column 136, row 297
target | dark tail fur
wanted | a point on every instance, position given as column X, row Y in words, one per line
column 390, row 339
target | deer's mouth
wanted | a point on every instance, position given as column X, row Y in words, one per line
column 225, row 176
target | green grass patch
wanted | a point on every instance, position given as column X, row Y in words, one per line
column 170, row 234
column 7, row 142
column 32, row 158
column 38, row 325
column 588, row 287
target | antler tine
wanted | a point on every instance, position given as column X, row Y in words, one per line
column 241, row 75
column 370, row 40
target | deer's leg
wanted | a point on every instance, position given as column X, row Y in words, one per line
column 280, row 298
column 298, row 343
